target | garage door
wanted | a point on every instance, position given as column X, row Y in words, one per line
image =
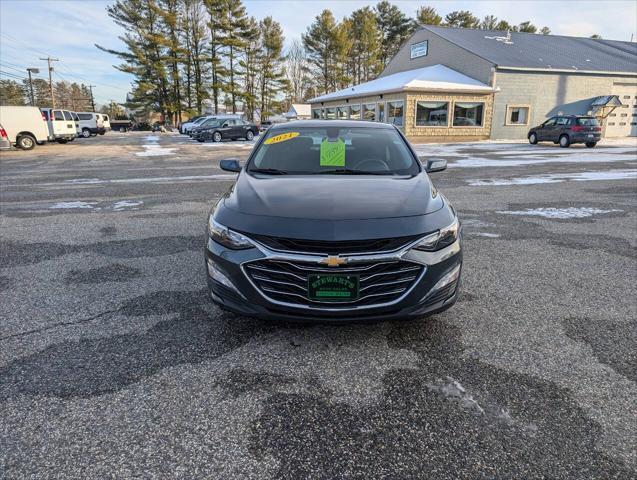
column 623, row 121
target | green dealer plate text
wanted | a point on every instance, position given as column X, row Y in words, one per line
column 332, row 288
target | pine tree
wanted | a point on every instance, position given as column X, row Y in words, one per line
column 169, row 13
column 395, row 28
column 462, row 18
column 545, row 31
column 216, row 16
column 527, row 27
column 505, row 26
column 271, row 64
column 324, row 43
column 12, row 93
column 366, row 44
column 428, row 16
column 252, row 55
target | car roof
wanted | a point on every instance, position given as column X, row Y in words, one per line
column 332, row 123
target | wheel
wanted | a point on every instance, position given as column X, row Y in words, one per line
column 86, row 133
column 216, row 137
column 102, row 133
column 200, row 140
column 71, row 139
column 533, row 138
column 249, row 136
column 25, row 142
column 564, row 141
column 591, row 144
column 62, row 140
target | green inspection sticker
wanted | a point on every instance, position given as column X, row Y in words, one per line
column 332, row 153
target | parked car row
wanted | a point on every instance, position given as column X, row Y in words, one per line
column 26, row 127
column 219, row 127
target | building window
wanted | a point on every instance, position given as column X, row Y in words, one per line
column 517, row 115
column 341, row 113
column 626, row 96
column 317, row 113
column 355, row 112
column 369, row 112
column 622, row 124
column 624, row 114
column 330, row 113
column 395, row 112
column 432, row 114
column 610, row 124
column 467, row 114
column 613, row 115
column 419, row 49
column 381, row 112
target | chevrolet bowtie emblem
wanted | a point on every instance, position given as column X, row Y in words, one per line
column 333, row 261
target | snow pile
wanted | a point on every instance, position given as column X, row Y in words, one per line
column 550, row 212
column 558, row 178
column 71, row 205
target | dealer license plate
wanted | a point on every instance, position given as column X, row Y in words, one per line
column 332, row 288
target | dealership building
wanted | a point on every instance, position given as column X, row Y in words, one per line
column 450, row 84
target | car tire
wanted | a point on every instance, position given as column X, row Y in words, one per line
column 590, row 144
column 200, row 140
column 86, row 133
column 249, row 136
column 564, row 141
column 71, row 139
column 533, row 138
column 102, row 133
column 25, row 142
column 216, row 137
column 62, row 140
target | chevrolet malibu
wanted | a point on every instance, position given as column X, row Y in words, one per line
column 333, row 220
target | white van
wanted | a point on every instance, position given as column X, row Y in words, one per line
column 61, row 124
column 76, row 119
column 106, row 121
column 91, row 124
column 25, row 126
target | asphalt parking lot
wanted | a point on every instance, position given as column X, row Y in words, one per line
column 114, row 363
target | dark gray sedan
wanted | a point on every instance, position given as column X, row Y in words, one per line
column 226, row 129
column 566, row 130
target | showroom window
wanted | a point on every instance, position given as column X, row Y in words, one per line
column 341, row 113
column 432, row 114
column 317, row 113
column 466, row 114
column 330, row 113
column 369, row 112
column 395, row 113
column 355, row 112
column 517, row 115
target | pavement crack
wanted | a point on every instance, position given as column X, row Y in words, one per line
column 61, row 324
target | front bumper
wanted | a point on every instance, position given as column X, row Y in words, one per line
column 435, row 289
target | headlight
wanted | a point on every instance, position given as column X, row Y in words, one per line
column 440, row 239
column 226, row 237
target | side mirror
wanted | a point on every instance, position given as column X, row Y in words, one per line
column 435, row 165
column 230, row 165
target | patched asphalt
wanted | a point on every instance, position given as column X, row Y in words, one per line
column 114, row 363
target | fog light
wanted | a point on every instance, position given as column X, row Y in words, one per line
column 448, row 278
column 218, row 276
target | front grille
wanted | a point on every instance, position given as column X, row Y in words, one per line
column 341, row 247
column 379, row 282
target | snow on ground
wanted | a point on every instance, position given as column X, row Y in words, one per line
column 558, row 178
column 154, row 150
column 550, row 212
column 71, row 205
column 127, row 204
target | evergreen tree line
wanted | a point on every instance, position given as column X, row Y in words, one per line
column 185, row 53
column 69, row 96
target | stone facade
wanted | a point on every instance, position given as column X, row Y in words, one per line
column 449, row 133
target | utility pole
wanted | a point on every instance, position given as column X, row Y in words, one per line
column 49, row 60
column 90, row 87
column 34, row 70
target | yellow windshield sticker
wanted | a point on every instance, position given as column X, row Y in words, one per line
column 284, row 137
column 332, row 153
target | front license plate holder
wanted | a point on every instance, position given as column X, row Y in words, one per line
column 333, row 287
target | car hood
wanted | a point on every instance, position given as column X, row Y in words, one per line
column 333, row 197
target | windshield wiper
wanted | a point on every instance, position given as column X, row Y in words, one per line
column 349, row 171
column 269, row 171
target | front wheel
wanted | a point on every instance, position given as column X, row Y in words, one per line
column 86, row 133
column 533, row 138
column 62, row 140
column 564, row 141
column 200, row 140
column 249, row 136
column 26, row 142
column 216, row 137
column 102, row 133
column 591, row 144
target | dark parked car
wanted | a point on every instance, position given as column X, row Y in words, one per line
column 225, row 128
column 566, row 130
column 333, row 220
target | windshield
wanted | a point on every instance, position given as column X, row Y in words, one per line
column 199, row 121
column 211, row 123
column 334, row 150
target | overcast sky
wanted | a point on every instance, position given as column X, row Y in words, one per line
column 68, row 30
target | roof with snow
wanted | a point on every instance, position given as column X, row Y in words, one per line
column 536, row 51
column 436, row 78
column 299, row 110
